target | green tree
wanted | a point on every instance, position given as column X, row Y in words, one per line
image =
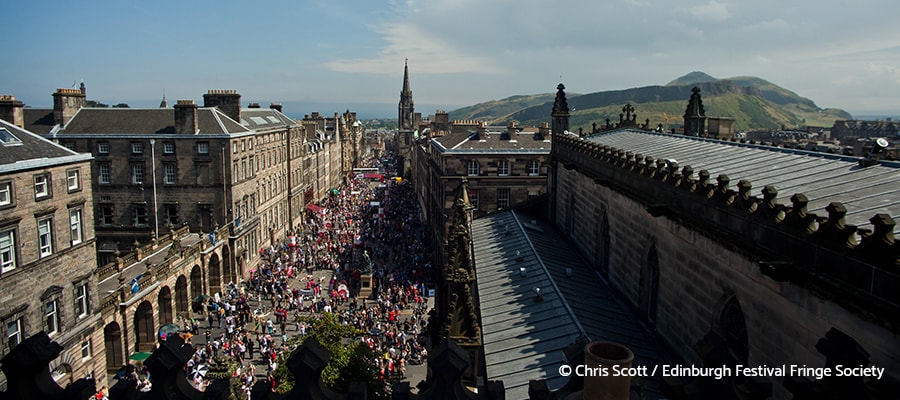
column 350, row 360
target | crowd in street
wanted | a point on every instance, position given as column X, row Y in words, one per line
column 367, row 228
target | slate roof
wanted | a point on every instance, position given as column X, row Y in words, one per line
column 146, row 121
column 489, row 142
column 22, row 150
column 823, row 178
column 524, row 339
column 38, row 120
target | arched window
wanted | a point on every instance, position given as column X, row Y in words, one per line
column 649, row 286
column 733, row 329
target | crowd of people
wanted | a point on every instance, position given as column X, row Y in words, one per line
column 367, row 230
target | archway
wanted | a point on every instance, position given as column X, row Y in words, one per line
column 227, row 266
column 196, row 282
column 649, row 286
column 215, row 274
column 164, row 302
column 144, row 327
column 112, row 340
column 182, row 298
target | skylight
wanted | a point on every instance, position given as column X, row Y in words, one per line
column 258, row 120
column 7, row 138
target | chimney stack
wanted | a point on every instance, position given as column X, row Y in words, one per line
column 228, row 101
column 543, row 131
column 186, row 117
column 66, row 102
column 11, row 110
column 275, row 106
column 510, row 131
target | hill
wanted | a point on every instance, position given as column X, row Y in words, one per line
column 753, row 102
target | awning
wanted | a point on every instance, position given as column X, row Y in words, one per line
column 312, row 207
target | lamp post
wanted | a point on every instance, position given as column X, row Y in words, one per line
column 155, row 206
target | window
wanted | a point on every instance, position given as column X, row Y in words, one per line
column 202, row 147
column 503, row 168
column 234, row 147
column 14, row 332
column 7, row 251
column 243, row 144
column 51, row 316
column 472, row 169
column 502, row 199
column 45, row 236
column 139, row 214
column 137, row 174
column 104, row 173
column 41, row 186
column 69, row 145
column 244, row 169
column 534, row 167
column 137, row 148
column 73, row 179
column 234, row 172
column 81, row 299
column 6, row 193
column 75, row 225
column 106, row 215
column 103, row 148
column 86, row 351
column 169, row 174
column 250, row 144
column 473, row 198
column 171, row 214
column 168, row 148
column 533, row 193
column 251, row 164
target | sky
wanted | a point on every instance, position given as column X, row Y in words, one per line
column 333, row 55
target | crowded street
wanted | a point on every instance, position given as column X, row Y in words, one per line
column 368, row 228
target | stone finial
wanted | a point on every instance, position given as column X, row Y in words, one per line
column 879, row 247
column 306, row 364
column 834, row 232
column 798, row 218
column 448, row 362
column 745, row 200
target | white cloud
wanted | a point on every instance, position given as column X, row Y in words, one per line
column 431, row 54
column 712, row 11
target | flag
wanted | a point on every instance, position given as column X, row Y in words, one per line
column 134, row 283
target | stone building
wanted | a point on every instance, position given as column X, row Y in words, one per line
column 47, row 257
column 804, row 273
column 503, row 166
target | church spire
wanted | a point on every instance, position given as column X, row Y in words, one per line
column 164, row 103
column 406, row 108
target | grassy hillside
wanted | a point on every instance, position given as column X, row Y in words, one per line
column 754, row 103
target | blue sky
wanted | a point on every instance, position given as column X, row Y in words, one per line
column 329, row 56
